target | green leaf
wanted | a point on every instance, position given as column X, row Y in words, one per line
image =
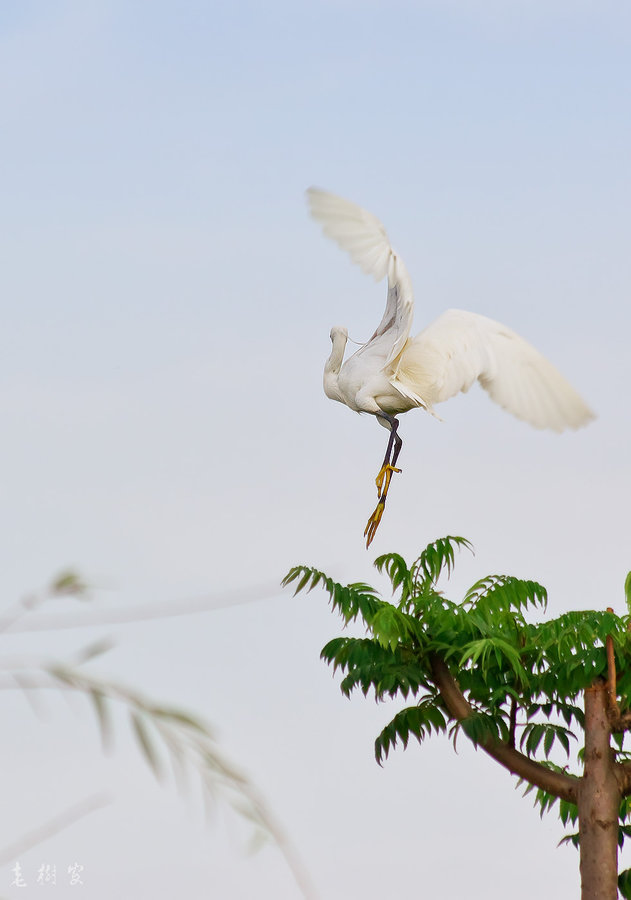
column 144, row 740
column 180, row 717
column 396, row 570
column 98, row 648
column 570, row 839
column 291, row 576
column 105, row 726
column 627, row 591
column 304, row 580
column 478, row 727
column 388, row 626
column 624, row 883
column 436, row 557
column 416, row 721
column 568, row 812
column 61, row 673
column 69, row 583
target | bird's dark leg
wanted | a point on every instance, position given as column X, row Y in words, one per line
column 390, row 459
column 385, row 476
column 393, row 424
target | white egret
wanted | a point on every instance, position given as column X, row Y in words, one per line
column 393, row 373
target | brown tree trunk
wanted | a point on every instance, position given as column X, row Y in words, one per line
column 599, row 797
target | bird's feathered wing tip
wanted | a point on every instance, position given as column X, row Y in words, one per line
column 365, row 239
column 460, row 347
column 354, row 229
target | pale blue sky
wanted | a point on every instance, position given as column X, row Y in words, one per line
column 167, row 305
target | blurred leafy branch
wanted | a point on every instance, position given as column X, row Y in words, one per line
column 170, row 739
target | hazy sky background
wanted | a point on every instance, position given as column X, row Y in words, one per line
column 167, row 304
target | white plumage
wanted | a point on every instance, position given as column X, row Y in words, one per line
column 393, row 373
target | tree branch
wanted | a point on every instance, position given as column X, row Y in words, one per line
column 89, row 618
column 58, row 823
column 623, row 774
column 559, row 784
column 614, row 709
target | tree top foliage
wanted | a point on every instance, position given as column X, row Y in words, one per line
column 487, row 666
column 520, row 679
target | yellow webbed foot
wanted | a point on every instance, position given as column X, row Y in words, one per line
column 384, row 478
column 373, row 522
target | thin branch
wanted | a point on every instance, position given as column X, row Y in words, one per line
column 66, row 584
column 53, row 826
column 126, row 616
column 560, row 784
column 19, row 609
column 623, row 774
column 613, row 709
column 619, row 722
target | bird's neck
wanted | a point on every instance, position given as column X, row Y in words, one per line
column 333, row 365
column 334, row 362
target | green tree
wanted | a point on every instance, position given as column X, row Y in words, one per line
column 512, row 686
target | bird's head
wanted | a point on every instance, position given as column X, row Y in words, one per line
column 338, row 332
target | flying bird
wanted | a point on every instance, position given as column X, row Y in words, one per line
column 393, row 373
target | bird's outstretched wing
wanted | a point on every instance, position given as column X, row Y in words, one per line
column 355, row 230
column 460, row 347
column 366, row 241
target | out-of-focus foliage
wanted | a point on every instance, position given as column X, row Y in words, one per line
column 171, row 740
